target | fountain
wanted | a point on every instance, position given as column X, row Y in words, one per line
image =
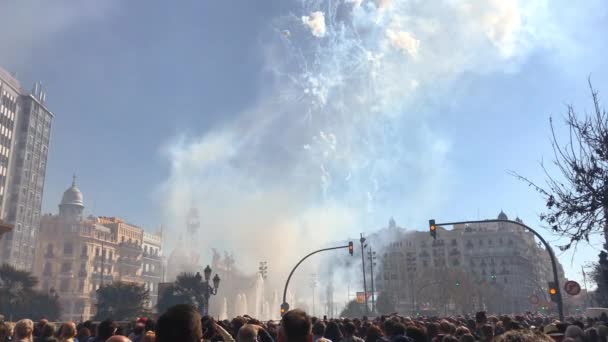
column 275, row 306
column 224, row 311
column 259, row 296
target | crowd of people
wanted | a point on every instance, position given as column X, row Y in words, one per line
column 183, row 323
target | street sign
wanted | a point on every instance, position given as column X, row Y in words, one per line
column 534, row 299
column 572, row 288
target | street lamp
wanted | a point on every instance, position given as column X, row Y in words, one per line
column 207, row 289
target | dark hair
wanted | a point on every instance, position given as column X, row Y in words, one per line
column 373, row 334
column 318, row 328
column 449, row 338
column 416, row 333
column 47, row 330
column 67, row 330
column 180, row 323
column 332, row 331
column 349, row 329
column 296, row 325
column 83, row 333
column 467, row 338
column 106, row 329
column 150, row 324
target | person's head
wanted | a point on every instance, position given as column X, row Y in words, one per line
column 575, row 332
column 295, row 326
column 236, row 324
column 247, row 333
column 149, row 337
column 150, row 325
column 445, row 327
column 106, row 329
column 449, row 338
column 318, row 329
column 180, row 323
column 118, row 338
column 83, row 334
column 523, row 336
column 38, row 328
column 467, row 338
column 47, row 331
column 4, row 331
column 349, row 329
column 461, row 331
column 67, row 330
column 415, row 333
column 487, row 332
column 592, row 335
column 139, row 328
column 373, row 334
column 332, row 331
column 24, row 329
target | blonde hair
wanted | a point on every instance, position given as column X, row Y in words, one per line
column 150, row 336
column 24, row 328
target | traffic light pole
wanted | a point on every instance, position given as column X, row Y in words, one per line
column 362, row 240
column 560, row 304
column 285, row 305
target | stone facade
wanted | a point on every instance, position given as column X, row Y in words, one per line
column 498, row 255
column 152, row 268
column 77, row 255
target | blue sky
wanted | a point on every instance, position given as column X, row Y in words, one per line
column 135, row 86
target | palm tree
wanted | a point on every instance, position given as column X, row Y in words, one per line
column 122, row 301
column 15, row 288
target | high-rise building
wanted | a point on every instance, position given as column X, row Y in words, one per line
column 25, row 126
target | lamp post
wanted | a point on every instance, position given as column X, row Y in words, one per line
column 207, row 289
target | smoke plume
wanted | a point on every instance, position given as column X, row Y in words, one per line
column 337, row 144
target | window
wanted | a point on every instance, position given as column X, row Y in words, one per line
column 47, row 269
column 68, row 248
column 66, row 267
column 64, row 285
column 49, row 249
column 84, row 251
column 97, row 251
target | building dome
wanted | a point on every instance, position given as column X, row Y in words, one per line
column 502, row 216
column 72, row 196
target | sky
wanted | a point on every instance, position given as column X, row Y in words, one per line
column 305, row 119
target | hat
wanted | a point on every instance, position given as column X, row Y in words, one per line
column 142, row 320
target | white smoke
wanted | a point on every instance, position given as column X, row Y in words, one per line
column 403, row 41
column 338, row 144
column 316, row 22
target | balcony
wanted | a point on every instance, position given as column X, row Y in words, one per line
column 125, row 261
column 152, row 256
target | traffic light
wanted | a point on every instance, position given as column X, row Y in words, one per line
column 433, row 229
column 351, row 248
column 284, row 308
column 553, row 291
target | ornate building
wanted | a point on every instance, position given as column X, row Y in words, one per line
column 77, row 255
column 499, row 256
column 185, row 256
column 152, row 268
